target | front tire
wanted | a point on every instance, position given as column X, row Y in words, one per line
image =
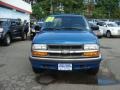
column 37, row 71
column 24, row 36
column 93, row 71
column 7, row 40
column 108, row 34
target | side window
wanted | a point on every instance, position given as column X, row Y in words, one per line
column 100, row 24
column 6, row 23
column 1, row 23
column 13, row 23
column 18, row 23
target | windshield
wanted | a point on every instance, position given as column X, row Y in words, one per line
column 112, row 25
column 65, row 22
column 118, row 23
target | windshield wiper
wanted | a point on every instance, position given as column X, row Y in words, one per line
column 51, row 28
column 66, row 28
column 71, row 28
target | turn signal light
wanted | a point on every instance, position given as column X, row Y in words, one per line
column 39, row 54
column 91, row 54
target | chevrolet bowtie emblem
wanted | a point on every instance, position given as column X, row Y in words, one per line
column 65, row 51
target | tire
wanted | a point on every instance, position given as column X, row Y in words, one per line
column 93, row 71
column 24, row 36
column 37, row 71
column 7, row 40
column 108, row 34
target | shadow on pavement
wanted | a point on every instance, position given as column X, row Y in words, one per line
column 76, row 78
column 14, row 41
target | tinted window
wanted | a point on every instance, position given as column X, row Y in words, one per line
column 3, row 23
column 100, row 23
column 65, row 22
column 13, row 23
column 112, row 25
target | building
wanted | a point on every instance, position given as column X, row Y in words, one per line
column 31, row 1
column 15, row 9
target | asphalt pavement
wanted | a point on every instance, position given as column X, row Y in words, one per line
column 16, row 72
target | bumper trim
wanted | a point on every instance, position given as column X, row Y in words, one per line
column 58, row 59
column 73, row 51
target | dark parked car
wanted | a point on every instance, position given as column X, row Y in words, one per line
column 33, row 31
column 11, row 29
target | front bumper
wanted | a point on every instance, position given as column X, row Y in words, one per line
column 0, row 35
column 77, row 64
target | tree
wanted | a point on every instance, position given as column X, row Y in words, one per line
column 103, row 9
column 108, row 6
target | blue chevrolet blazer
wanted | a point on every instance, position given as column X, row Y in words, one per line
column 65, row 43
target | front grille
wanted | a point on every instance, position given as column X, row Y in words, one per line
column 68, row 55
column 65, row 47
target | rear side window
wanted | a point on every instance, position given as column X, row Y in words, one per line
column 13, row 23
column 100, row 23
column 3, row 23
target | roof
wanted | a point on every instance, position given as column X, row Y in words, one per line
column 65, row 15
column 18, row 5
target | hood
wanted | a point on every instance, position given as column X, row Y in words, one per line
column 115, row 28
column 65, row 37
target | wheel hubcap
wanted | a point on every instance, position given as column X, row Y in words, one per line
column 108, row 34
column 24, row 36
column 8, row 40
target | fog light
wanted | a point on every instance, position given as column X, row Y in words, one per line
column 91, row 54
column 39, row 54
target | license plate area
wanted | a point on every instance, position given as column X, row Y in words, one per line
column 64, row 67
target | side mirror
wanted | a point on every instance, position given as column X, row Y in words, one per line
column 95, row 28
column 37, row 28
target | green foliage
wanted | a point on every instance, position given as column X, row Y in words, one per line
column 103, row 9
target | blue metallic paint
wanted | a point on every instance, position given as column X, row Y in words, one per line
column 53, row 65
column 65, row 37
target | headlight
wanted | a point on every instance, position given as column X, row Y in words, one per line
column 91, row 47
column 1, row 30
column 39, row 47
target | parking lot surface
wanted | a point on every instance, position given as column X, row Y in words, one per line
column 16, row 72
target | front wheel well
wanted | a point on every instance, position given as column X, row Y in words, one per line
column 8, row 33
column 108, row 31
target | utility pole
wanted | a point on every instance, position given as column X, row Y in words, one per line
column 51, row 7
column 61, row 8
column 90, row 6
column 119, row 3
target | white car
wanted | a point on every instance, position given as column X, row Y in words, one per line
column 97, row 32
column 109, row 29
